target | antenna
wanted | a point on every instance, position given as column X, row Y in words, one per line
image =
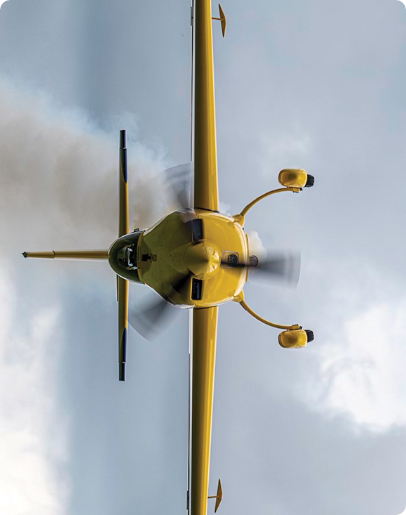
column 218, row 497
column 222, row 20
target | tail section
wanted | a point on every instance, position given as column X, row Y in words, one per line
column 124, row 224
column 69, row 254
column 123, row 284
column 123, row 287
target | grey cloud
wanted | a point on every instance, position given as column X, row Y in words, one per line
column 332, row 71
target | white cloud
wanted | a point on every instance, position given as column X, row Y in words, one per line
column 59, row 189
column 361, row 364
column 256, row 246
column 225, row 208
column 60, row 172
column 32, row 432
column 286, row 150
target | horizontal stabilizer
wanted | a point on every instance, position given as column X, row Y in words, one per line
column 121, row 371
column 123, row 290
column 124, row 224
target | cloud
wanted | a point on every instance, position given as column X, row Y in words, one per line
column 361, row 358
column 256, row 246
column 278, row 151
column 32, row 428
column 60, row 172
column 59, row 190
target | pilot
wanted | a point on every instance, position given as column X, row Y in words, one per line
column 125, row 257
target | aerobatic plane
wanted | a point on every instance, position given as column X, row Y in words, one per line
column 196, row 258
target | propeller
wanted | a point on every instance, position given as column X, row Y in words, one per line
column 179, row 179
column 280, row 266
column 151, row 319
column 195, row 226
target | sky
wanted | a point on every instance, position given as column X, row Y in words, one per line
column 313, row 84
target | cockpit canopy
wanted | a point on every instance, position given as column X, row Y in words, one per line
column 123, row 256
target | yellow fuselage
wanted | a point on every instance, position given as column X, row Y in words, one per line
column 166, row 254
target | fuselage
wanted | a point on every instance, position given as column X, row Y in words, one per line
column 164, row 256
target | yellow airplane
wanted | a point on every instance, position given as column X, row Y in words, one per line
column 195, row 258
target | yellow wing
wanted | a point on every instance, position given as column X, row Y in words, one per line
column 205, row 319
column 205, row 145
column 203, row 365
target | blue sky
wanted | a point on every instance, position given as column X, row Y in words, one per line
column 312, row 84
